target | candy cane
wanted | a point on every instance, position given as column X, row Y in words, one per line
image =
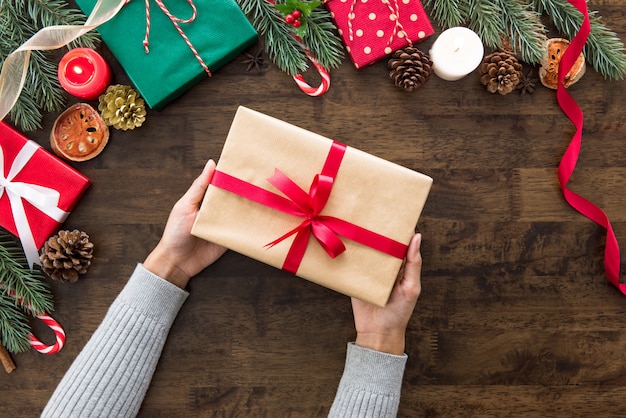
column 50, row 322
column 325, row 83
column 58, row 332
column 323, row 72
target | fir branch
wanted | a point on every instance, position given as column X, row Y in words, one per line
column 282, row 48
column 56, row 12
column 19, row 20
column 603, row 50
column 45, row 90
column 486, row 18
column 14, row 327
column 322, row 41
column 19, row 280
column 527, row 33
column 448, row 13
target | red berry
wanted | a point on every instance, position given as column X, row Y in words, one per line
column 290, row 18
column 296, row 23
column 296, row 13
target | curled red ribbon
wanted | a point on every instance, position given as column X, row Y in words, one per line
column 570, row 157
column 326, row 229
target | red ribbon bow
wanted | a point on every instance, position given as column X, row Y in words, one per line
column 570, row 157
column 326, row 229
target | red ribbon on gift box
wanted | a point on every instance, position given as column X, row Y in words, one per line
column 326, row 229
column 570, row 157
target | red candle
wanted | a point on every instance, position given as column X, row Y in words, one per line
column 84, row 73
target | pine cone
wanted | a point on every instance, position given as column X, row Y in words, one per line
column 66, row 255
column 500, row 72
column 410, row 68
column 122, row 107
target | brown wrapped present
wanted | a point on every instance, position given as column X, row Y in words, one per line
column 348, row 232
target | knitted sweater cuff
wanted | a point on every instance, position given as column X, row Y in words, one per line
column 162, row 302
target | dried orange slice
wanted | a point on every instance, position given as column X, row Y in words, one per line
column 79, row 133
column 549, row 70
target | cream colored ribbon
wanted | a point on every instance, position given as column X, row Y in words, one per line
column 15, row 67
column 43, row 198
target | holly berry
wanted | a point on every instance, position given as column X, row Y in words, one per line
column 296, row 13
column 290, row 18
column 296, row 23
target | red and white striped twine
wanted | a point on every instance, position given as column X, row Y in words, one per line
column 175, row 21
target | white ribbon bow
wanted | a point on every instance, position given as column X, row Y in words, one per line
column 43, row 198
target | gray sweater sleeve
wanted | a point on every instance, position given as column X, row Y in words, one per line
column 370, row 385
column 111, row 375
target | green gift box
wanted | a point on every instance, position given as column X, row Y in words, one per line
column 219, row 32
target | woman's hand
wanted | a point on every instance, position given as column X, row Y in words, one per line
column 179, row 255
column 384, row 329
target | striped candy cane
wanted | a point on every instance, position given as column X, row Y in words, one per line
column 323, row 72
column 50, row 322
column 58, row 332
column 325, row 83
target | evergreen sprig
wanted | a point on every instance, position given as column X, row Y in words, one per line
column 603, row 50
column 19, row 20
column 283, row 48
column 519, row 22
column 22, row 290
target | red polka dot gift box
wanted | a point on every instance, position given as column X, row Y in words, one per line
column 373, row 29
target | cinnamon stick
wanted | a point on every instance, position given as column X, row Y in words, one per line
column 6, row 359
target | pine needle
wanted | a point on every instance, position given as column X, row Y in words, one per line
column 526, row 32
column 448, row 13
column 21, row 291
column 520, row 22
column 281, row 46
column 322, row 41
column 19, row 20
column 603, row 50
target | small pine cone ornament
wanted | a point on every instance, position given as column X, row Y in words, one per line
column 66, row 255
column 501, row 72
column 122, row 107
column 410, row 68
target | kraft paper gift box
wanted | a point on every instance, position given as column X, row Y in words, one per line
column 368, row 193
column 219, row 33
column 372, row 29
column 42, row 188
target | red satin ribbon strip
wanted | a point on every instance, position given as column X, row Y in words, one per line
column 570, row 157
column 326, row 229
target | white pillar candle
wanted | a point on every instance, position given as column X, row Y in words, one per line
column 456, row 53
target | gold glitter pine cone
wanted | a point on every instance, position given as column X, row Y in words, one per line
column 410, row 68
column 501, row 72
column 122, row 108
column 66, row 255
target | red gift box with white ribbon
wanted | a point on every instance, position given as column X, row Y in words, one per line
column 372, row 29
column 37, row 190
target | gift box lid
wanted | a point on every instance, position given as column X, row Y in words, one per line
column 219, row 33
column 43, row 169
column 368, row 191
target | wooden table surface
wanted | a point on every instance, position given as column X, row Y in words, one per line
column 516, row 317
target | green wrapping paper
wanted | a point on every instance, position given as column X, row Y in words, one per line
column 219, row 33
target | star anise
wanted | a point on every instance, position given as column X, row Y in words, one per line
column 527, row 83
column 256, row 61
